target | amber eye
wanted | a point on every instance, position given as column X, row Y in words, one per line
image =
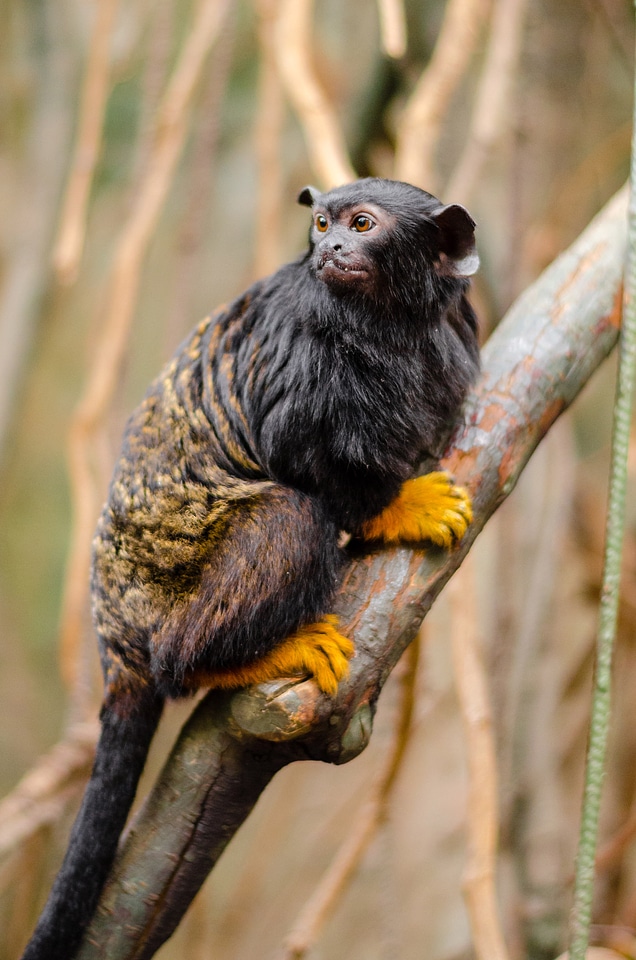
column 362, row 223
column 321, row 223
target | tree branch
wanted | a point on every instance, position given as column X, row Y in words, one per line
column 392, row 27
column 171, row 127
column 269, row 127
column 420, row 124
column 44, row 792
column 69, row 245
column 323, row 133
column 313, row 915
column 471, row 683
column 492, row 114
column 534, row 365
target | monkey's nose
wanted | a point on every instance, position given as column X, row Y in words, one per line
column 330, row 245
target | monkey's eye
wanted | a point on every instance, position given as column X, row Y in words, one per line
column 362, row 223
column 321, row 223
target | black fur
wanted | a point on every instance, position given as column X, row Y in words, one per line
column 297, row 412
column 119, row 761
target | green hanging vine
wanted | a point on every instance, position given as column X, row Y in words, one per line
column 608, row 610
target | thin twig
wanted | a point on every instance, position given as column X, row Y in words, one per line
column 43, row 793
column 614, row 849
column 325, row 140
column 421, row 122
column 199, row 177
column 608, row 607
column 531, row 788
column 546, row 235
column 170, row 131
column 25, row 879
column 491, row 112
column 472, row 691
column 159, row 32
column 614, row 20
column 392, row 27
column 306, row 929
column 597, row 953
column 67, row 252
column 270, row 118
column 40, row 154
column 551, row 498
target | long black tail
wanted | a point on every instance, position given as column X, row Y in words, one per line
column 119, row 761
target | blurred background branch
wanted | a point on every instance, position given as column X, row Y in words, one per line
column 483, row 816
column 170, row 131
column 493, row 112
column 67, row 250
column 392, row 27
column 319, row 121
column 425, row 113
column 270, row 119
column 373, row 810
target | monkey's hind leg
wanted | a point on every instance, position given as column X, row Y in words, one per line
column 427, row 508
column 259, row 609
column 317, row 649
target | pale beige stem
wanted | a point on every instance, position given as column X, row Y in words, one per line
column 308, row 926
column 423, row 117
column 324, row 137
column 392, row 27
column 270, row 117
column 43, row 793
column 169, row 135
column 67, row 250
column 472, row 692
column 491, row 114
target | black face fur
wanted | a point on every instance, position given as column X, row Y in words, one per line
column 385, row 240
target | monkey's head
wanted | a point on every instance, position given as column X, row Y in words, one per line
column 389, row 242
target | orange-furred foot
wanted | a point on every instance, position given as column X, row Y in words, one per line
column 317, row 649
column 427, row 508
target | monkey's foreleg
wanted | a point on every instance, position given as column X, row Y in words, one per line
column 427, row 508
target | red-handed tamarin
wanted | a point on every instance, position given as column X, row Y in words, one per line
column 296, row 413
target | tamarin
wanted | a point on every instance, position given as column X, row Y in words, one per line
column 298, row 412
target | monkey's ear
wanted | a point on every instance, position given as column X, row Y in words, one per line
column 457, row 238
column 308, row 196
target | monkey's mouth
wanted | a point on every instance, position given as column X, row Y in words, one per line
column 340, row 271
